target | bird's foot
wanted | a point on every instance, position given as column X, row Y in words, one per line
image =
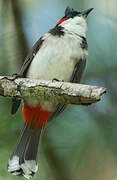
column 15, row 76
column 57, row 80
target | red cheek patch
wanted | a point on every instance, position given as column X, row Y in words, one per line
column 62, row 20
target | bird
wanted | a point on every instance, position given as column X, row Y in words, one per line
column 59, row 54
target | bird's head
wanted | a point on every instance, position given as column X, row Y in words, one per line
column 74, row 20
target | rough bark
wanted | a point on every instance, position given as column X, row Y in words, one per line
column 62, row 92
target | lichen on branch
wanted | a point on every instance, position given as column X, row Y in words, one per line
column 62, row 92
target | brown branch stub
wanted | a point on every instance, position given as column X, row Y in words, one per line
column 62, row 92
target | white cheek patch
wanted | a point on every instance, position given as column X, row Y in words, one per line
column 76, row 25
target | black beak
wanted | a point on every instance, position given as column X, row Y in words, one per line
column 86, row 12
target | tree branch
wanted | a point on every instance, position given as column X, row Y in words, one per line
column 62, row 92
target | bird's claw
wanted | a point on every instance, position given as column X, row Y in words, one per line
column 15, row 76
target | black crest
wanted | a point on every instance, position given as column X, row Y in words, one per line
column 70, row 12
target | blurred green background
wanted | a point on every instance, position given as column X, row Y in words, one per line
column 82, row 143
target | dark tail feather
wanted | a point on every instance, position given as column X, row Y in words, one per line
column 23, row 161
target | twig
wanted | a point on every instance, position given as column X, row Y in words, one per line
column 62, row 92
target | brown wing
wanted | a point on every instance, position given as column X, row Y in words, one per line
column 30, row 57
column 75, row 78
column 23, row 71
column 78, row 71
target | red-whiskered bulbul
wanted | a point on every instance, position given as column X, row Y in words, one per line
column 61, row 54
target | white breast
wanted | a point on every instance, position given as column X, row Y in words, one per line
column 56, row 58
